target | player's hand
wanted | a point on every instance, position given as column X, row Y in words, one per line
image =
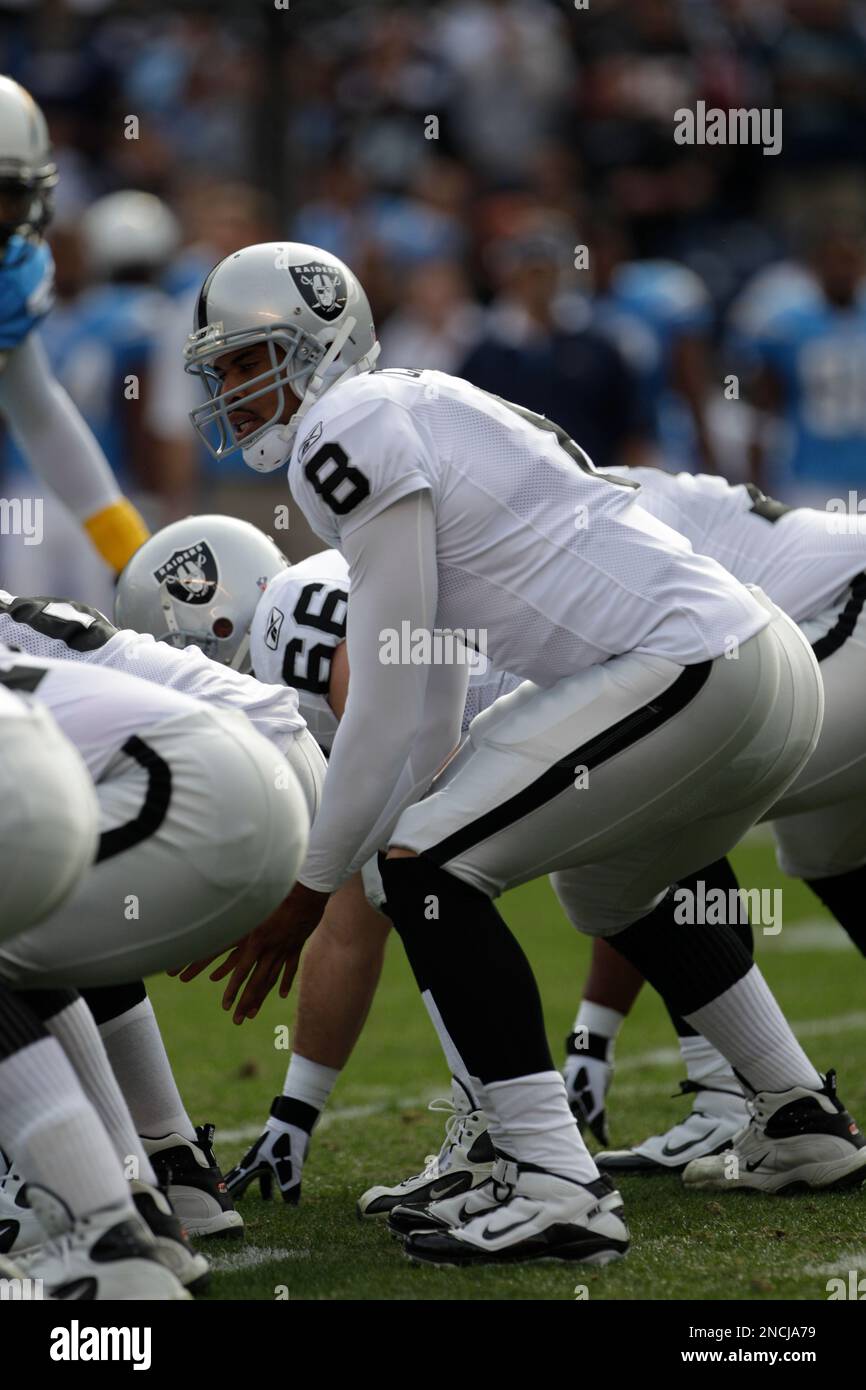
column 26, row 289
column 273, row 949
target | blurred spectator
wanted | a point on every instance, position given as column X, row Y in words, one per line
column 540, row 351
column 818, row 60
column 513, row 70
column 810, row 358
column 659, row 313
column 437, row 322
column 217, row 218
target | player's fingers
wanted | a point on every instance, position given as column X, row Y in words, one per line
column 240, row 971
column 228, row 965
column 258, row 987
column 189, row 972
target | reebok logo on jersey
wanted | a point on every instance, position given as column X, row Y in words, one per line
column 190, row 575
column 315, row 433
column 276, row 618
column 323, row 288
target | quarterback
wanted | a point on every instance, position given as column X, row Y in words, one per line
column 632, row 754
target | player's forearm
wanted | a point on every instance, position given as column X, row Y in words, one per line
column 63, row 452
column 392, row 582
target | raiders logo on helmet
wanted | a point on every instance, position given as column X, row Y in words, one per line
column 323, row 288
column 190, row 575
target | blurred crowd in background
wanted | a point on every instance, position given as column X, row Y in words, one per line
column 502, row 175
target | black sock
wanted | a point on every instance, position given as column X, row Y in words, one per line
column 19, row 1025
column 688, row 963
column 845, row 895
column 110, row 1001
column 718, row 875
column 480, row 980
column 47, row 1003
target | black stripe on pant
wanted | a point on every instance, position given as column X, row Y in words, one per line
column 592, row 754
column 845, row 623
column 154, row 810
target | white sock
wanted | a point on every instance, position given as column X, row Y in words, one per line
column 76, row 1031
column 530, row 1121
column 449, row 1047
column 308, row 1082
column 597, row 1018
column 137, row 1054
column 747, row 1025
column 706, row 1066
column 54, row 1132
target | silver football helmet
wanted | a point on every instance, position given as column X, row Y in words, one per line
column 27, row 169
column 129, row 229
column 311, row 312
column 197, row 583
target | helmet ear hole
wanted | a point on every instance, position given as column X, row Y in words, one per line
column 222, row 627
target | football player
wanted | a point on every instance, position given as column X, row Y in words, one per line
column 297, row 635
column 813, row 565
column 48, row 429
column 632, row 754
column 189, row 571
column 49, row 839
column 203, row 825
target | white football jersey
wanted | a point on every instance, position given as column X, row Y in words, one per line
column 301, row 620
column 801, row 558
column 71, row 631
column 558, row 564
column 97, row 710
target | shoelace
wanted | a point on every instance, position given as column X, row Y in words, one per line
column 434, row 1164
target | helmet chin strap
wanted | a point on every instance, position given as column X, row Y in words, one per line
column 272, row 449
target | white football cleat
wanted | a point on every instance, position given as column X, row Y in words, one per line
column 464, row 1161
column 191, row 1177
column 107, row 1256
column 588, row 1073
column 715, row 1117
column 523, row 1213
column 172, row 1246
column 20, row 1230
column 796, row 1139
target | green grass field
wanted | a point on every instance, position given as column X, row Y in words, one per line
column 377, row 1128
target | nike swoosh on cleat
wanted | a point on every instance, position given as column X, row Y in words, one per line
column 441, row 1188
column 750, row 1167
column 681, row 1148
column 505, row 1230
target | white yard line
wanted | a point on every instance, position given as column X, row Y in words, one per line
column 249, row 1257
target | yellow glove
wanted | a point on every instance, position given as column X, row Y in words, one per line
column 117, row 532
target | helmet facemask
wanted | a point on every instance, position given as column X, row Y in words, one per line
column 26, row 203
column 294, row 355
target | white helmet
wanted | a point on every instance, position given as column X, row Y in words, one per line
column 27, row 167
column 197, row 583
column 295, row 298
column 129, row 229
